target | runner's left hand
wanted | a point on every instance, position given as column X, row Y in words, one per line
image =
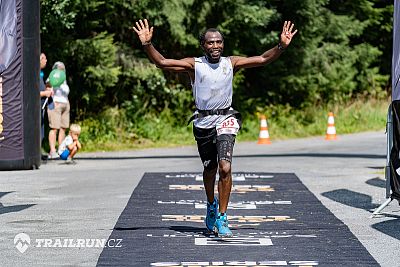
column 287, row 33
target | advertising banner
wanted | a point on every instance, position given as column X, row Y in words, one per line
column 11, row 96
column 19, row 84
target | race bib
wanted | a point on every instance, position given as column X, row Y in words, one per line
column 228, row 126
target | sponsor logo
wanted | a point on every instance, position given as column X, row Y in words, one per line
column 244, row 205
column 234, row 221
column 265, row 263
column 235, row 176
column 77, row 243
column 259, row 235
column 240, row 189
column 233, row 241
column 22, row 241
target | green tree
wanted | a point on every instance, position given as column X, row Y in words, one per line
column 342, row 49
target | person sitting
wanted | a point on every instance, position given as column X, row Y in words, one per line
column 70, row 145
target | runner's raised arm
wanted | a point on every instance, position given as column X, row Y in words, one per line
column 145, row 34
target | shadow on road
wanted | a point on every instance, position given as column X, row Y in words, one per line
column 378, row 182
column 351, row 198
column 362, row 201
column 15, row 208
column 390, row 228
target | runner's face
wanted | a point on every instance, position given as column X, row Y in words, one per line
column 213, row 46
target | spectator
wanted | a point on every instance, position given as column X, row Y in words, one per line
column 45, row 93
column 59, row 116
column 71, row 144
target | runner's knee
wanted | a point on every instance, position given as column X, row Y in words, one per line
column 210, row 165
column 224, row 168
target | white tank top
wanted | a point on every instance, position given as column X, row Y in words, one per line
column 212, row 89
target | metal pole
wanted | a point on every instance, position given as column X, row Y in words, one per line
column 389, row 144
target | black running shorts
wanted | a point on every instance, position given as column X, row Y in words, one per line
column 213, row 148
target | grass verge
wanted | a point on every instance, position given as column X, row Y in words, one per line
column 112, row 131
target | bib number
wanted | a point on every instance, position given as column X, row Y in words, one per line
column 228, row 126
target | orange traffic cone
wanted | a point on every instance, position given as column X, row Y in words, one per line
column 331, row 131
column 263, row 137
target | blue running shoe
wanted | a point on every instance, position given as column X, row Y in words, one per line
column 212, row 210
column 221, row 226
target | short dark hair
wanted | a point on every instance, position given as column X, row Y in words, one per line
column 202, row 36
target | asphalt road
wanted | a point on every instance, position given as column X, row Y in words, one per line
column 62, row 202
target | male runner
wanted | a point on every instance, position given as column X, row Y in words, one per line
column 215, row 122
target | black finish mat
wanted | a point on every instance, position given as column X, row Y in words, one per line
column 275, row 219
